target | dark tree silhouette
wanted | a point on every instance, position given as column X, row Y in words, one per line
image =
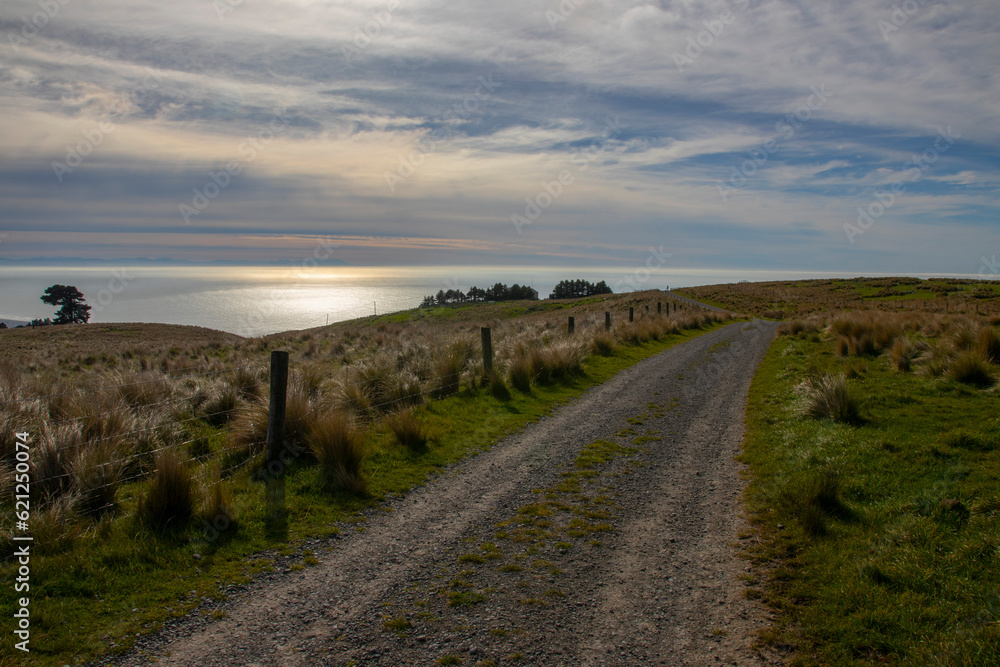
column 574, row 289
column 72, row 309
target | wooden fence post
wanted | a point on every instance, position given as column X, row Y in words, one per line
column 276, row 410
column 607, row 320
column 487, row 350
column 631, row 314
column 572, row 325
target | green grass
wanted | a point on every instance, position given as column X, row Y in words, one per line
column 88, row 592
column 888, row 550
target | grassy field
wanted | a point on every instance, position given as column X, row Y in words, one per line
column 873, row 448
column 788, row 299
column 150, row 497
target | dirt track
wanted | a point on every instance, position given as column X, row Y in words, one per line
column 636, row 566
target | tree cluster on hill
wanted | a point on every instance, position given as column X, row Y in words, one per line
column 573, row 289
column 499, row 292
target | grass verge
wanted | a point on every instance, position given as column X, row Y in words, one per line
column 879, row 538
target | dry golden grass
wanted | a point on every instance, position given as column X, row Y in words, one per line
column 339, row 447
column 105, row 398
column 170, row 500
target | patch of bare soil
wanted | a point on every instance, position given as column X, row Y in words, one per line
column 606, row 534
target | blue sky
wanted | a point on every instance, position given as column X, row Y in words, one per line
column 734, row 134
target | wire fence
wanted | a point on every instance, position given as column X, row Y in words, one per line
column 117, row 431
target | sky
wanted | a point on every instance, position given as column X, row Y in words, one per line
column 742, row 134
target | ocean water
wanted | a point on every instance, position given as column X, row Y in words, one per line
column 253, row 301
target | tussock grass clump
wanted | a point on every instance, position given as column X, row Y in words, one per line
column 603, row 343
column 828, row 397
column 903, row 354
column 140, row 390
column 339, row 447
column 245, row 380
column 96, row 475
column 249, row 431
column 170, row 500
column 57, row 527
column 962, row 336
column 448, row 372
column 409, row 432
column 521, row 371
column 50, row 473
column 556, row 362
column 219, row 410
column 987, row 344
column 219, row 512
column 497, row 386
column 969, row 368
column 814, row 499
column 843, row 346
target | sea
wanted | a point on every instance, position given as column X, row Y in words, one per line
column 255, row 301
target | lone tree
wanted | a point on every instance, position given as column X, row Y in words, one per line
column 72, row 309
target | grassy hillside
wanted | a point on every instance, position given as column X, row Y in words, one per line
column 873, row 447
column 149, row 491
column 787, row 299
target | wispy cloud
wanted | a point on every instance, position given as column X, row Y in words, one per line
column 185, row 85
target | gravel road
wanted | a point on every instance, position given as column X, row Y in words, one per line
column 531, row 553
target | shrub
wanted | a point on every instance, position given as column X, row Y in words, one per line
column 829, row 398
column 969, row 368
column 408, row 430
column 339, row 448
column 170, row 499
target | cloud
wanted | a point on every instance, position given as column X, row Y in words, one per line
column 388, row 130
